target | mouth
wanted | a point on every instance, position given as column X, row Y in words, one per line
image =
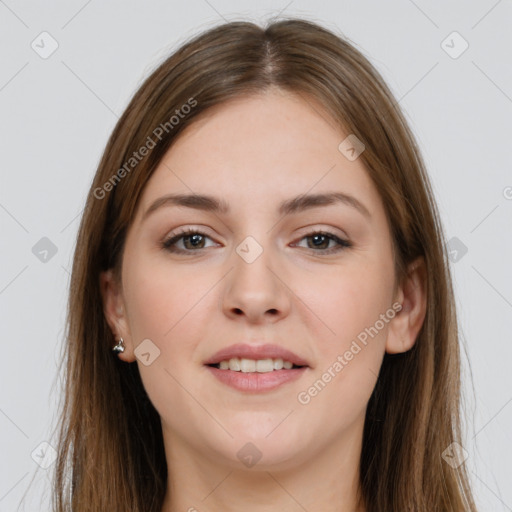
column 251, row 357
column 253, row 368
column 255, row 375
column 244, row 365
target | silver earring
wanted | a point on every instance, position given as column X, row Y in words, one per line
column 119, row 347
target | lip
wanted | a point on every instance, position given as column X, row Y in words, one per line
column 256, row 382
column 269, row 351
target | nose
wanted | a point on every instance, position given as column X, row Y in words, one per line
column 256, row 289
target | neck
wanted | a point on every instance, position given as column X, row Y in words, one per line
column 326, row 482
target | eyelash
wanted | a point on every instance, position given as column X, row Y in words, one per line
column 169, row 242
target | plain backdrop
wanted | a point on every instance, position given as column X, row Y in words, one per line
column 68, row 70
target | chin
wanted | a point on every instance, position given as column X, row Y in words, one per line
column 257, row 450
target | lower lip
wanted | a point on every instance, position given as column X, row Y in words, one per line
column 255, row 381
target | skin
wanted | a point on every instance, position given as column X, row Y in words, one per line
column 254, row 152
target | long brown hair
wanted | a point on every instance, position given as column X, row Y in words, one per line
column 110, row 453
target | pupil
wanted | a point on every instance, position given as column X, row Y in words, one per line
column 193, row 239
column 316, row 239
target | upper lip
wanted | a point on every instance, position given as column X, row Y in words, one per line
column 242, row 350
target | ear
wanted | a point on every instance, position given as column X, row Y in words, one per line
column 115, row 313
column 412, row 294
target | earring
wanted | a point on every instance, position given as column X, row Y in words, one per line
column 119, row 347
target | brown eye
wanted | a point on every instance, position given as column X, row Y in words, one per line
column 192, row 240
column 320, row 241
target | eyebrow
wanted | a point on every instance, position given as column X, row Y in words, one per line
column 288, row 207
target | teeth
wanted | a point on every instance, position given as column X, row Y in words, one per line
column 278, row 364
column 264, row 365
column 247, row 365
column 234, row 364
column 251, row 365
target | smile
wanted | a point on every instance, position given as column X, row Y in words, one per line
column 255, row 376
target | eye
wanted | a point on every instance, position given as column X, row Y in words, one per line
column 192, row 239
column 320, row 240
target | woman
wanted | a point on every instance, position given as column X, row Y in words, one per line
column 261, row 313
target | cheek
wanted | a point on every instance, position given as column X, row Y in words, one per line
column 346, row 301
column 162, row 298
column 350, row 340
column 163, row 304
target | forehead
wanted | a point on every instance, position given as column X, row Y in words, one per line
column 258, row 150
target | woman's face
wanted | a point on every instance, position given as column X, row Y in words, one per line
column 257, row 274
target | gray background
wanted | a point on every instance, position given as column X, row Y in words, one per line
column 56, row 116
